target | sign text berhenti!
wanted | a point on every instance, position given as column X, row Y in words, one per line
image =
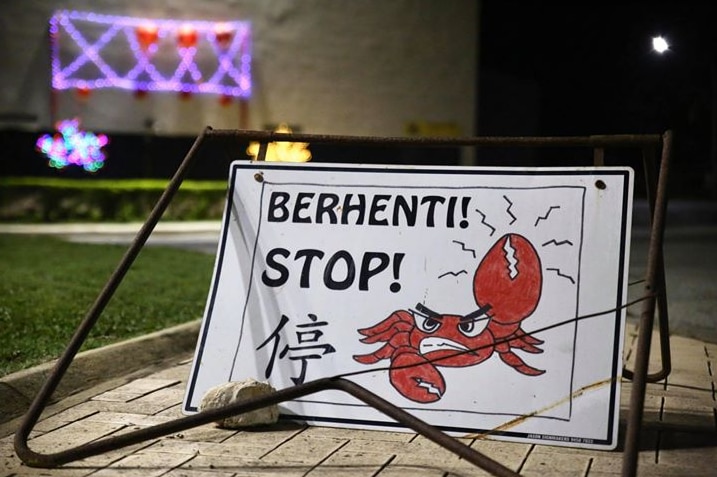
column 455, row 293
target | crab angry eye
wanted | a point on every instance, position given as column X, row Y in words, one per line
column 426, row 324
column 468, row 328
column 472, row 328
column 474, row 323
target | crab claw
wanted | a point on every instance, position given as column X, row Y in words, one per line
column 416, row 378
column 509, row 278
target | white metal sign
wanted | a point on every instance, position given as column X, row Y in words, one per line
column 460, row 294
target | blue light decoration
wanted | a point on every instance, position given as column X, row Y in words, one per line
column 165, row 54
column 71, row 146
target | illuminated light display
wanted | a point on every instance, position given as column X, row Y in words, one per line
column 71, row 146
column 282, row 151
column 184, row 48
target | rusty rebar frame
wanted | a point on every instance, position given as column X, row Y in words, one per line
column 654, row 286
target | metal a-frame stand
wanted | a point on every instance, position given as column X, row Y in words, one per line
column 654, row 290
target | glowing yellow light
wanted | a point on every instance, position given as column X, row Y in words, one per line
column 281, row 151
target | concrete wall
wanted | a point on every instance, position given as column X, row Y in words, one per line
column 326, row 66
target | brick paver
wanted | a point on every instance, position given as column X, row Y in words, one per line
column 679, row 437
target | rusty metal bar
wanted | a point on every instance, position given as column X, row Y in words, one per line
column 57, row 459
column 639, row 381
column 263, row 148
column 651, row 177
column 599, row 156
column 620, row 140
column 654, row 272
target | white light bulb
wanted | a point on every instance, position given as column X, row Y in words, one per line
column 659, row 44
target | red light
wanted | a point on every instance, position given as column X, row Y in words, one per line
column 147, row 35
column 83, row 92
column 223, row 35
column 187, row 36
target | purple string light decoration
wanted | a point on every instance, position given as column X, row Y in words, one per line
column 72, row 146
column 166, row 55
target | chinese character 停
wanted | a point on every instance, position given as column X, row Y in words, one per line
column 308, row 347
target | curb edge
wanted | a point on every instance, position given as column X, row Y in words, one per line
column 89, row 368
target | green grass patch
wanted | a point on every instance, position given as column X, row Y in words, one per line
column 116, row 184
column 47, row 285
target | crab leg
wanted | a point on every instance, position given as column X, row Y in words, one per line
column 514, row 361
column 399, row 320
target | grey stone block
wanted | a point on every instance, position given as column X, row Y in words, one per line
column 228, row 393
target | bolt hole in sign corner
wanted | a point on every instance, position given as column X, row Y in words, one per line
column 481, row 300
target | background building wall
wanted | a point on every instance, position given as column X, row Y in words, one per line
column 324, row 66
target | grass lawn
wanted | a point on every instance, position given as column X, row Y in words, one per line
column 47, row 285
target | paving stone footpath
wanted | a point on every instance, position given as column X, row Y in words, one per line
column 679, row 435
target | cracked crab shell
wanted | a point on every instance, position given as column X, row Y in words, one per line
column 510, row 279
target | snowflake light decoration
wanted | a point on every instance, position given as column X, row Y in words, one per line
column 72, row 146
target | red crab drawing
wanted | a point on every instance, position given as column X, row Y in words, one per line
column 506, row 287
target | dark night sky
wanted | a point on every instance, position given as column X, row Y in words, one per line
column 593, row 65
